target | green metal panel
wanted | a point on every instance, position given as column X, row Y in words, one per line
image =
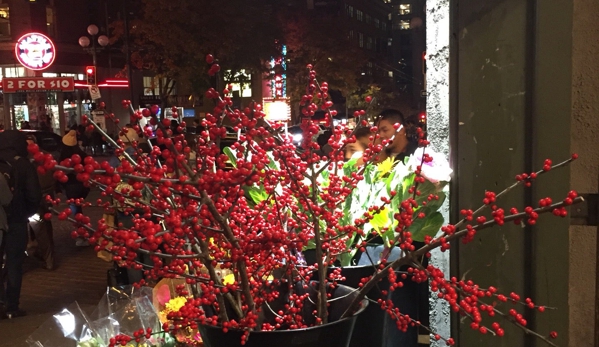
column 510, row 86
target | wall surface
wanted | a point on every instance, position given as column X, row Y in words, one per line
column 437, row 110
column 585, row 171
column 511, row 100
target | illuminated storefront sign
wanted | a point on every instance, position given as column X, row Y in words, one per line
column 279, row 81
column 38, row 84
column 276, row 110
column 35, row 51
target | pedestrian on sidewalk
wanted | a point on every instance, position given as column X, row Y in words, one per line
column 73, row 188
column 26, row 199
column 41, row 227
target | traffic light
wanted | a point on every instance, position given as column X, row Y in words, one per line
column 90, row 74
column 422, row 118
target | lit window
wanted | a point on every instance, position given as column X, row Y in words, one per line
column 404, row 24
column 49, row 74
column 360, row 39
column 4, row 21
column 405, row 9
column 15, row 71
column 244, row 89
column 241, row 83
column 369, row 43
column 152, row 86
column 79, row 77
column 390, row 73
column 359, row 15
column 350, row 11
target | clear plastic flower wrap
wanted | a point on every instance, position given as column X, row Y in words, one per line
column 68, row 328
column 122, row 311
column 117, row 298
column 127, row 311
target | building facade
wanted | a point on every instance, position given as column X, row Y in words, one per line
column 62, row 23
column 409, row 49
column 370, row 29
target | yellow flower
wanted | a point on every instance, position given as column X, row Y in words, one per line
column 175, row 304
column 385, row 167
column 229, row 279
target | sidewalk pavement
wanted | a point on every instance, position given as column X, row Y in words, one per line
column 79, row 276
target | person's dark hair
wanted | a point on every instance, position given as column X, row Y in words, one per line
column 410, row 123
column 363, row 136
column 391, row 115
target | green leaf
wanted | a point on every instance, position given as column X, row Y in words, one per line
column 407, row 183
column 435, row 204
column 350, row 166
column 325, row 174
column 425, row 190
column 368, row 173
column 347, row 207
column 427, row 226
column 388, row 235
column 257, row 193
column 380, row 220
column 389, row 182
column 229, row 152
column 345, row 258
column 271, row 161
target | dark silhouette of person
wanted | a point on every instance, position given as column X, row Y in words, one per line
column 27, row 195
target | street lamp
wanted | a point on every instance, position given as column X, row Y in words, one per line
column 85, row 41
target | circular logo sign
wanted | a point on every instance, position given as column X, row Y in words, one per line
column 35, row 51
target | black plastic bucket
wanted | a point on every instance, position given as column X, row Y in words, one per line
column 336, row 333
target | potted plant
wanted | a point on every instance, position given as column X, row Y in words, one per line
column 234, row 224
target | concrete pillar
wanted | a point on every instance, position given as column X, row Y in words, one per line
column 584, row 173
column 511, row 78
column 6, row 111
column 437, row 111
column 61, row 116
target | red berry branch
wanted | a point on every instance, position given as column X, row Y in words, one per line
column 248, row 212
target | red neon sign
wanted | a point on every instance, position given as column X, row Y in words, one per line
column 35, row 51
column 37, row 84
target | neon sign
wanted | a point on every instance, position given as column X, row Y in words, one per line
column 279, row 82
column 35, row 51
